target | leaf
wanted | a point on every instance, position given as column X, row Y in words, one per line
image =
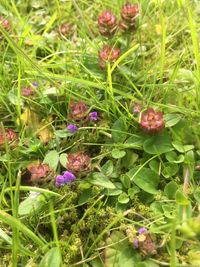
column 158, row 144
column 146, row 179
column 52, row 159
column 100, row 179
column 132, row 191
column 182, row 148
column 135, row 141
column 13, row 97
column 63, row 160
column 123, row 198
column 173, row 157
column 170, row 169
column 197, row 196
column 129, row 159
column 181, row 199
column 85, row 196
column 63, row 133
column 170, row 189
column 119, row 132
column 119, row 252
column 118, row 154
column 107, row 168
column 51, row 258
column 171, row 119
column 125, row 179
column 31, row 204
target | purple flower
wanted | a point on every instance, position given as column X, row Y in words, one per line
column 93, row 116
column 142, row 230
column 72, row 128
column 136, row 243
column 35, row 84
column 136, row 108
column 60, row 181
column 68, row 177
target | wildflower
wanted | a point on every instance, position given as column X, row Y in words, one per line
column 38, row 171
column 27, row 91
column 60, row 180
column 93, row 116
column 108, row 54
column 78, row 111
column 136, row 108
column 10, row 136
column 5, row 23
column 68, row 177
column 142, row 230
column 136, row 243
column 65, row 29
column 35, row 84
column 152, row 121
column 78, row 162
column 107, row 23
column 129, row 13
column 72, row 128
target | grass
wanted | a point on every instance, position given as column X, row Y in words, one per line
column 134, row 179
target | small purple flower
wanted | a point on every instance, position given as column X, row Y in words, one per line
column 93, row 116
column 142, row 230
column 60, row 181
column 35, row 84
column 136, row 108
column 68, row 177
column 72, row 128
column 136, row 243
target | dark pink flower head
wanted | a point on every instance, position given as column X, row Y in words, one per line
column 129, row 13
column 108, row 54
column 78, row 162
column 78, row 111
column 107, row 23
column 10, row 135
column 38, row 171
column 152, row 121
column 5, row 23
column 27, row 91
column 65, row 29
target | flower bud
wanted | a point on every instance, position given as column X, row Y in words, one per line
column 152, row 121
column 107, row 23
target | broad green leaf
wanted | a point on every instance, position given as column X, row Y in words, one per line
column 51, row 259
column 182, row 148
column 181, row 199
column 135, row 142
column 100, row 179
column 123, row 198
column 52, row 159
column 171, row 119
column 170, row 169
column 133, row 191
column 108, row 168
column 129, row 159
column 170, row 189
column 173, row 157
column 119, row 132
column 31, row 204
column 117, row 154
column 146, row 179
column 63, row 133
column 63, row 160
column 158, row 144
